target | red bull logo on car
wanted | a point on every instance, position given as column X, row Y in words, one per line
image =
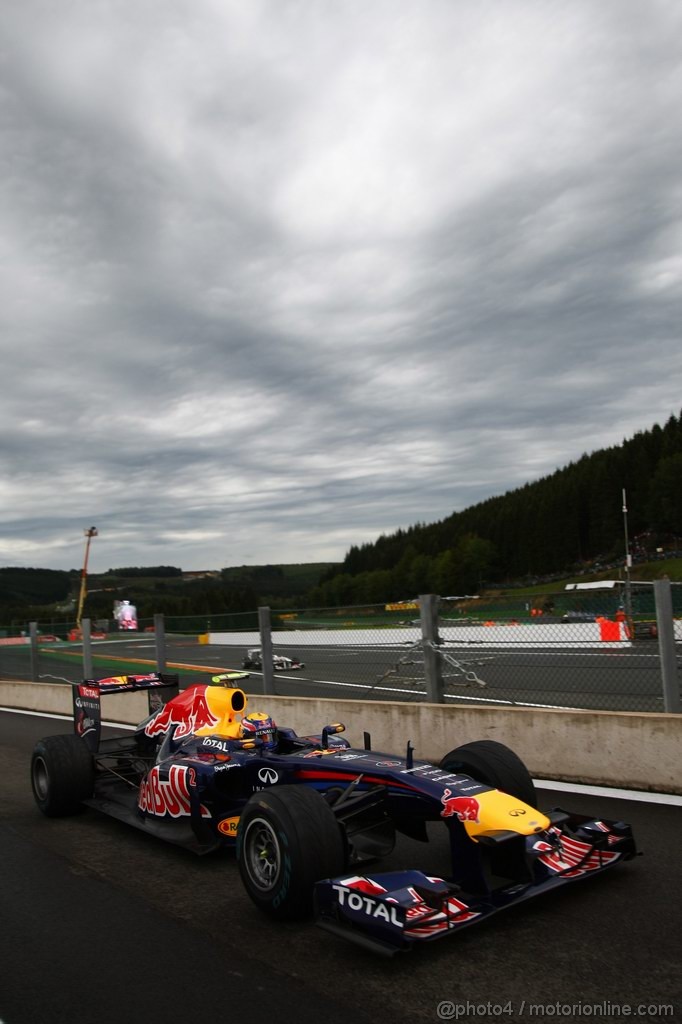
column 168, row 796
column 466, row 808
column 201, row 710
column 190, row 711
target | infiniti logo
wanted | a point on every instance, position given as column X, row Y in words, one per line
column 516, row 813
column 268, row 775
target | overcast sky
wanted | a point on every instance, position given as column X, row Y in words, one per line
column 279, row 276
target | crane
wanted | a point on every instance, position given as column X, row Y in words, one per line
column 89, row 534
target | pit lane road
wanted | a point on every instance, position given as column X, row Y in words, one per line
column 102, row 924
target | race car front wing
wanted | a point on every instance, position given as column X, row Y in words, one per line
column 390, row 912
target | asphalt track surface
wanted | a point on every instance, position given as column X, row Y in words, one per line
column 618, row 679
column 101, row 924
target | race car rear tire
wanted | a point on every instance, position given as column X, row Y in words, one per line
column 288, row 839
column 495, row 765
column 62, row 774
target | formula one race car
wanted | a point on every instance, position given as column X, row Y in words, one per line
column 306, row 814
column 254, row 659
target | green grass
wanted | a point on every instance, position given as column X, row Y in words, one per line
column 642, row 571
column 124, row 666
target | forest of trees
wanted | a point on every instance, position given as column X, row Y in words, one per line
column 27, row 594
column 33, row 586
column 557, row 524
column 43, row 594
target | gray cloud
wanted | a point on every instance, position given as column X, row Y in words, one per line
column 278, row 279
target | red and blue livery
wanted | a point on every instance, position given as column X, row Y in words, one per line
column 310, row 817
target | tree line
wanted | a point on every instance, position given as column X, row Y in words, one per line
column 559, row 524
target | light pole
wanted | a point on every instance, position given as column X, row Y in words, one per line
column 89, row 534
column 628, row 565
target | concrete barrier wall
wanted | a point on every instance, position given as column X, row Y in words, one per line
column 629, row 749
column 56, row 698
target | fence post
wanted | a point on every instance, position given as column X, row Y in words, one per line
column 666, row 645
column 87, row 649
column 33, row 636
column 160, row 641
column 428, row 611
column 265, row 628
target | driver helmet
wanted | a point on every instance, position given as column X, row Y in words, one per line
column 258, row 725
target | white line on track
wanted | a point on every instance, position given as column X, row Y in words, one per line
column 333, row 682
column 352, row 686
column 509, row 703
column 467, row 697
column 670, row 799
column 611, row 792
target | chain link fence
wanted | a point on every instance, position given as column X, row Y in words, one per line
column 57, row 651
column 574, row 649
column 578, row 649
column 592, row 648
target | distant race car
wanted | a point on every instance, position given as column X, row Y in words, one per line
column 306, row 814
column 254, row 659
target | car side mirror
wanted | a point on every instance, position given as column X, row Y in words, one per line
column 250, row 743
column 331, row 730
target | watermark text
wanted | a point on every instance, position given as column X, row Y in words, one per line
column 448, row 1009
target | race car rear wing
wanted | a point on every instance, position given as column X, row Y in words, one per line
column 87, row 708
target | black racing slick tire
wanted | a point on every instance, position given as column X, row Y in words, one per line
column 62, row 774
column 288, row 839
column 495, row 765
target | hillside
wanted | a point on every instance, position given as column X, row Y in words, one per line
column 278, row 580
column 569, row 522
column 33, row 586
column 41, row 593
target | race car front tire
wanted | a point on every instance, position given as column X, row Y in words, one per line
column 288, row 839
column 62, row 774
column 493, row 764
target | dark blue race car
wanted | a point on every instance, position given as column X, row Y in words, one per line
column 308, row 814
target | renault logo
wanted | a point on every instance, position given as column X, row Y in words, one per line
column 269, row 775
